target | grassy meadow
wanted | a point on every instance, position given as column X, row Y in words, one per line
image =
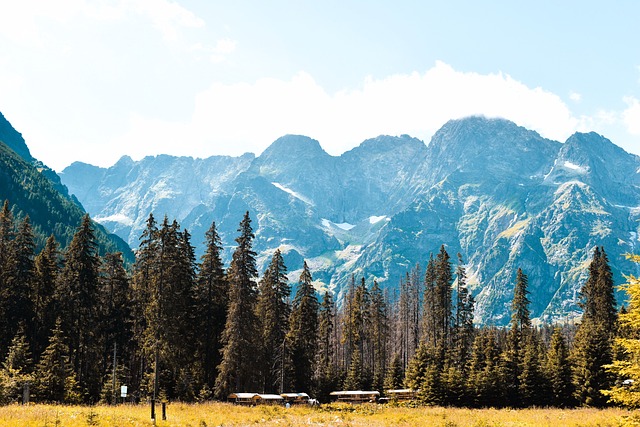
column 223, row 414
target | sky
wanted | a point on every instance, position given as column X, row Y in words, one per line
column 92, row 81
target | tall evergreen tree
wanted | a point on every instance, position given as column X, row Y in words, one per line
column 463, row 331
column 16, row 369
column 442, row 306
column 55, row 377
column 77, row 295
column 240, row 333
column 558, row 371
column 518, row 336
column 395, row 376
column 327, row 369
column 273, row 315
column 379, row 331
column 20, row 281
column 303, row 332
column 7, row 235
column 593, row 344
column 116, row 314
column 211, row 299
column 48, row 265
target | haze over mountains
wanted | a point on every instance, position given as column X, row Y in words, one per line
column 499, row 194
column 35, row 190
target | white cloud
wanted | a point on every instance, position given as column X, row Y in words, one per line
column 631, row 115
column 26, row 19
column 235, row 118
column 575, row 96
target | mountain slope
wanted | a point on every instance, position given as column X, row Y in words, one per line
column 499, row 194
column 32, row 193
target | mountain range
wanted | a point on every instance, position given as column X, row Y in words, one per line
column 499, row 194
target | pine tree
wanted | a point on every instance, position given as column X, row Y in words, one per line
column 303, row 332
column 353, row 380
column 463, row 331
column 593, row 345
column 143, row 277
column 7, row 235
column 16, row 369
column 116, row 315
column 48, row 265
column 532, row 382
column 168, row 309
column 395, row 376
column 326, row 371
column 558, row 371
column 273, row 314
column 518, row 336
column 379, row 331
column 442, row 306
column 54, row 373
column 211, row 299
column 429, row 304
column 20, row 280
column 240, row 333
column 78, row 297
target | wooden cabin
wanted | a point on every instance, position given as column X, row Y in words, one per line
column 401, row 395
column 268, row 399
column 296, row 398
column 242, row 398
column 355, row 396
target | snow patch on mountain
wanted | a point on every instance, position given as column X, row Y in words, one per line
column 574, row 167
column 377, row 219
column 119, row 218
column 343, row 225
column 293, row 193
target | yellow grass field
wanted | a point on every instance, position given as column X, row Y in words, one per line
column 223, row 414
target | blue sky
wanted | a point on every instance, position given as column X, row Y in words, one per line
column 95, row 80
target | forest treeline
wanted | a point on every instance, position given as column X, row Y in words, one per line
column 76, row 326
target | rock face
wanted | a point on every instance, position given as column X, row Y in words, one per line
column 499, row 194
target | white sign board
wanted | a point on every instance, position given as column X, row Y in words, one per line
column 123, row 391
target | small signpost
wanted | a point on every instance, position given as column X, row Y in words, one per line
column 123, row 392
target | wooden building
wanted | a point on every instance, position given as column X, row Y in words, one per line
column 355, row 396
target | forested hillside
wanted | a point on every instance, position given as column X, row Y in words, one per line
column 76, row 325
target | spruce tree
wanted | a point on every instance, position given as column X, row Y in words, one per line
column 235, row 372
column 379, row 332
column 353, row 380
column 48, row 265
column 593, row 345
column 20, row 281
column 463, row 331
column 303, row 332
column 116, row 315
column 211, row 299
column 7, row 235
column 442, row 306
column 54, row 373
column 78, row 298
column 326, row 370
column 558, row 371
column 518, row 336
column 273, row 315
column 16, row 369
column 395, row 376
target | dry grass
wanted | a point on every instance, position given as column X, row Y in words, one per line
column 222, row 414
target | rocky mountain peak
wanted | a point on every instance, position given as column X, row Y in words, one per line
column 13, row 139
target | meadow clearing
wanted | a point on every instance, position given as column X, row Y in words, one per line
column 343, row 415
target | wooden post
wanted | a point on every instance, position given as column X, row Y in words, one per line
column 164, row 411
column 153, row 411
